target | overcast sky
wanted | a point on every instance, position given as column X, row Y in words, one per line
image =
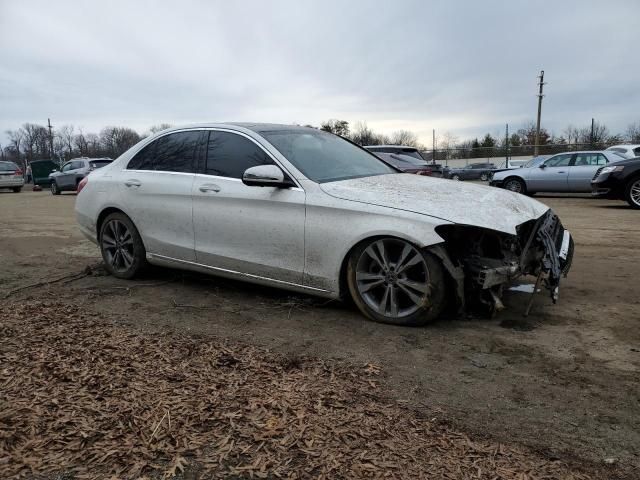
column 467, row 67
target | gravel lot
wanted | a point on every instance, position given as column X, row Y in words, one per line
column 563, row 383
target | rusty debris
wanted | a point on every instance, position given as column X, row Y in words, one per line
column 86, row 397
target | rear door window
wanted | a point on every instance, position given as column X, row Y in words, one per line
column 230, row 154
column 636, row 151
column 176, row 152
column 99, row 163
column 590, row 159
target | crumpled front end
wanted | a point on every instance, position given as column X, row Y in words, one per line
column 482, row 262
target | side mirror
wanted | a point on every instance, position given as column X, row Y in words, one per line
column 543, row 166
column 265, row 176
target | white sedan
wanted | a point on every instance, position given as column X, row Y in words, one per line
column 308, row 211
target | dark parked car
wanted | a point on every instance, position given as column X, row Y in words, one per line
column 69, row 176
column 619, row 180
column 473, row 171
column 406, row 164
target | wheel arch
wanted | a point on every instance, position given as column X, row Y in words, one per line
column 343, row 289
column 104, row 213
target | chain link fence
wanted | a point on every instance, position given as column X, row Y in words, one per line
column 464, row 155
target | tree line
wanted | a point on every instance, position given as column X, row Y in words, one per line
column 33, row 141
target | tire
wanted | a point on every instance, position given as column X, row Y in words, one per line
column 515, row 184
column 16, row 189
column 632, row 193
column 122, row 249
column 484, row 177
column 392, row 281
column 455, row 177
column 54, row 188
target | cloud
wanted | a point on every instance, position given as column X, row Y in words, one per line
column 463, row 67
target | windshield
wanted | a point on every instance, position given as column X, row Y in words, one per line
column 8, row 167
column 323, row 157
column 535, row 161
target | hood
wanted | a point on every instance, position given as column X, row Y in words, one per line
column 457, row 202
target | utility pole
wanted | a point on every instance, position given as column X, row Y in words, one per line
column 540, row 95
column 592, row 133
column 506, row 145
column 433, row 160
column 50, row 137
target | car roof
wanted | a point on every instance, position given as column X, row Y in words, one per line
column 624, row 145
column 254, row 126
column 391, row 146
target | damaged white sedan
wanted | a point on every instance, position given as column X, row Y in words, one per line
column 308, row 211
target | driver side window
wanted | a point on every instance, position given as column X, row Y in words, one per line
column 559, row 160
column 67, row 166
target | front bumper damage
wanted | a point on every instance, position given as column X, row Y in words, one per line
column 481, row 262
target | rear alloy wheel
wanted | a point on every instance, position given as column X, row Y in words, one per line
column 54, row 188
column 455, row 177
column 392, row 281
column 632, row 193
column 17, row 189
column 484, row 177
column 515, row 185
column 122, row 249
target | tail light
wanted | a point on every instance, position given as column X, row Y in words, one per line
column 17, row 173
column 82, row 184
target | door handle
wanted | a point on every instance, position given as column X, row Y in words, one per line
column 562, row 172
column 209, row 187
column 132, row 183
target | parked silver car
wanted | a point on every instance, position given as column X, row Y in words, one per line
column 69, row 176
column 564, row 172
column 308, row 211
column 11, row 176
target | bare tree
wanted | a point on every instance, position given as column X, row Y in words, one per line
column 66, row 134
column 116, row 140
column 80, row 142
column 363, row 135
column 596, row 137
column 339, row 127
column 158, row 128
column 15, row 140
column 633, row 132
column 404, row 137
column 572, row 134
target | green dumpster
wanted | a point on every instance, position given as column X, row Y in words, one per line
column 40, row 170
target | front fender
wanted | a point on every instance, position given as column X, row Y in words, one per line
column 331, row 233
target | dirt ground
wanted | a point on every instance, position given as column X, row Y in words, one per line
column 565, row 381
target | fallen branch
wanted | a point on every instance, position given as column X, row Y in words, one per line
column 72, row 277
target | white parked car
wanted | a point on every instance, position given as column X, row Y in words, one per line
column 308, row 211
column 627, row 151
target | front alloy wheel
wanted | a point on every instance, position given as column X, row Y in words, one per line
column 633, row 193
column 515, row 185
column 484, row 177
column 54, row 188
column 122, row 248
column 392, row 281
